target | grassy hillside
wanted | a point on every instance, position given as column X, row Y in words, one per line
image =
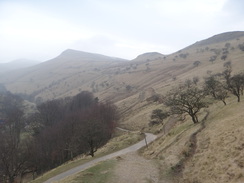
column 136, row 87
column 16, row 64
column 67, row 74
column 130, row 84
column 219, row 154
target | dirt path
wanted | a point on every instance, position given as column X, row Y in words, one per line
column 133, row 148
column 132, row 168
column 192, row 148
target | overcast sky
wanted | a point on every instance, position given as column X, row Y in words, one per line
column 42, row 29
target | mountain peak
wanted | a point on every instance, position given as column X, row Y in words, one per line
column 76, row 54
column 69, row 52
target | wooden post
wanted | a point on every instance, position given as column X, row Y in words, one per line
column 146, row 140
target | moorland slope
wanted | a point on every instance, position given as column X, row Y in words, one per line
column 132, row 85
column 137, row 86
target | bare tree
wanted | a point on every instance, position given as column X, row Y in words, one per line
column 227, row 72
column 216, row 88
column 236, row 85
column 50, row 112
column 13, row 150
column 82, row 100
column 71, row 142
column 97, row 125
column 186, row 99
column 71, row 126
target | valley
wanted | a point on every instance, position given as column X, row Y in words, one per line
column 139, row 86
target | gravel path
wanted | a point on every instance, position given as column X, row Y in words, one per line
column 133, row 168
column 133, row 148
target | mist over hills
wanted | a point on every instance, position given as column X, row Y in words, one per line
column 116, row 79
column 86, row 56
column 17, row 64
column 137, row 86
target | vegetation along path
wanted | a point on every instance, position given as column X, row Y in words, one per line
column 192, row 147
column 149, row 138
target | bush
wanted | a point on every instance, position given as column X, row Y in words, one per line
column 241, row 46
column 157, row 117
column 196, row 63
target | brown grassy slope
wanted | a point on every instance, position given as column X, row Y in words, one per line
column 59, row 76
column 128, row 84
column 162, row 73
column 220, row 148
column 219, row 155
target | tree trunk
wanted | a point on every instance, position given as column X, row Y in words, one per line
column 11, row 179
column 21, row 177
column 91, row 152
column 194, row 118
column 33, row 175
column 91, row 148
column 224, row 102
column 71, row 155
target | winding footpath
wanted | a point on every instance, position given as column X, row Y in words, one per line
column 149, row 138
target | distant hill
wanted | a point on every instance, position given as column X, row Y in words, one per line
column 149, row 56
column 125, row 82
column 137, row 86
column 223, row 37
column 71, row 71
column 2, row 88
column 17, row 64
column 86, row 56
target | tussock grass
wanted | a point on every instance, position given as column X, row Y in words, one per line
column 219, row 153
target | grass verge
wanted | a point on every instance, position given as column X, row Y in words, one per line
column 117, row 143
column 99, row 173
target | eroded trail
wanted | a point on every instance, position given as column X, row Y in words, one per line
column 149, row 138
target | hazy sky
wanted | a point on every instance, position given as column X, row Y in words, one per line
column 42, row 29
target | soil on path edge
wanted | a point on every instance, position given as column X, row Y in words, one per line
column 132, row 168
